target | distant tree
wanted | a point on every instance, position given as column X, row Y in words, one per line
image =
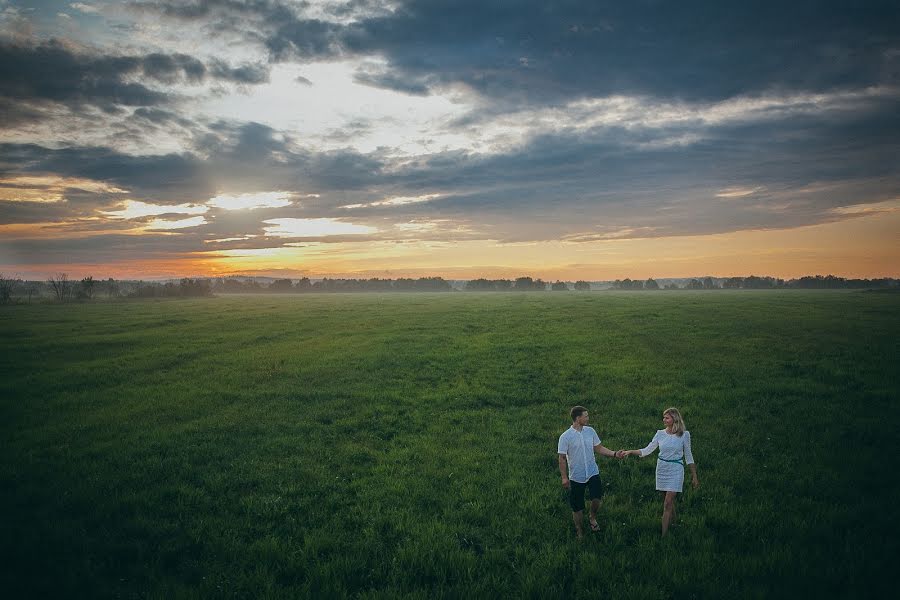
column 651, row 284
column 524, row 284
column 7, row 285
column 432, row 284
column 582, row 286
column 31, row 288
column 61, row 286
column 694, row 284
column 233, row 286
column 671, row 286
column 303, row 285
column 709, row 284
column 281, row 285
column 628, row 284
column 759, row 283
column 86, row 288
column 197, row 288
column 559, row 286
column 733, row 283
column 480, row 285
column 111, row 286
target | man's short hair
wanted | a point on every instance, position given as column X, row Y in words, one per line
column 577, row 411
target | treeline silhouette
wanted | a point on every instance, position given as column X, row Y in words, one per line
column 62, row 289
column 521, row 284
column 809, row 282
column 423, row 284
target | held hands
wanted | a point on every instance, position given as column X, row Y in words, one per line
column 695, row 482
column 565, row 482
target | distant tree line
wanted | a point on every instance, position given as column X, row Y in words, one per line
column 423, row 284
column 520, row 284
column 186, row 288
column 62, row 289
column 753, row 282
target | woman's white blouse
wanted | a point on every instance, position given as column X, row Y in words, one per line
column 671, row 446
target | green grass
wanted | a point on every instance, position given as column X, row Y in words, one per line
column 380, row 446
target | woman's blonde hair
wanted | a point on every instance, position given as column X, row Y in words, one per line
column 677, row 422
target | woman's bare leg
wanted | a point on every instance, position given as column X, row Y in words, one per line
column 668, row 511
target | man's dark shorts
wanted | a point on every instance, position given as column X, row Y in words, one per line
column 576, row 492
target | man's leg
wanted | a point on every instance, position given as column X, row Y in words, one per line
column 576, row 501
column 595, row 488
column 595, row 506
column 578, row 517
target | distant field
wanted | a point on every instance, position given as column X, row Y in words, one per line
column 379, row 446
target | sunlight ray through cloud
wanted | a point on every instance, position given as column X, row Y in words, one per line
column 160, row 224
column 135, row 209
column 320, row 227
column 738, row 192
column 49, row 188
column 251, row 201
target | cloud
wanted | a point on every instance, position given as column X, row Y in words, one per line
column 746, row 165
column 49, row 188
column 133, row 209
column 251, row 201
column 169, row 178
column 34, row 77
column 314, row 228
column 538, row 53
column 164, row 224
column 247, row 74
column 85, row 8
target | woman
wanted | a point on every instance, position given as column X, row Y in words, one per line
column 674, row 443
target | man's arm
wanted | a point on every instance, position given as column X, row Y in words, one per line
column 564, row 470
column 604, row 451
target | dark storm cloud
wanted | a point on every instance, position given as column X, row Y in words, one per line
column 275, row 25
column 36, row 77
column 158, row 116
column 50, row 72
column 163, row 179
column 98, row 249
column 391, row 81
column 552, row 52
column 249, row 74
column 549, row 53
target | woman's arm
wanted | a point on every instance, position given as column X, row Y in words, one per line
column 689, row 459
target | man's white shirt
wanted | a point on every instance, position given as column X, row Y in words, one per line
column 578, row 446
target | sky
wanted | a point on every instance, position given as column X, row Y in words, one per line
column 565, row 140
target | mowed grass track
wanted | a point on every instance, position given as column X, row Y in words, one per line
column 380, row 446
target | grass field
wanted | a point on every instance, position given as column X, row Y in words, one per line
column 379, row 446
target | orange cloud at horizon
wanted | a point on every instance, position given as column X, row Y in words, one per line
column 866, row 246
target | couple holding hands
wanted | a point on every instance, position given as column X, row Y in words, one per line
column 579, row 471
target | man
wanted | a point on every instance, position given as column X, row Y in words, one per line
column 578, row 466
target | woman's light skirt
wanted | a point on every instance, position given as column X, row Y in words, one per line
column 669, row 476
